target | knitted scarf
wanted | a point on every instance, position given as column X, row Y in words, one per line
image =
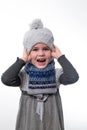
column 41, row 81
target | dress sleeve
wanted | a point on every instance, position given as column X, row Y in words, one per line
column 69, row 74
column 11, row 76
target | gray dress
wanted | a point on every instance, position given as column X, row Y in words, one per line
column 39, row 111
column 43, row 112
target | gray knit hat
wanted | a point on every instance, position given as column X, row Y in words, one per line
column 36, row 34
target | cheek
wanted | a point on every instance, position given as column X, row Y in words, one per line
column 32, row 56
column 49, row 55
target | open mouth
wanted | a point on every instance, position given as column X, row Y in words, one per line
column 41, row 60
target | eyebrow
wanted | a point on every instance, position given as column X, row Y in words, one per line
column 42, row 47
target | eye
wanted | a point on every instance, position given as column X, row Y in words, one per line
column 46, row 49
column 35, row 49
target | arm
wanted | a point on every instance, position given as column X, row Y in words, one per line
column 69, row 75
column 10, row 76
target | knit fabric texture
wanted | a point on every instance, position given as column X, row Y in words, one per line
column 38, row 34
column 42, row 80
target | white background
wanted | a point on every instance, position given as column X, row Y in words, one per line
column 67, row 19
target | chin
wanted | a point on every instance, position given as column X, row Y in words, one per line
column 41, row 67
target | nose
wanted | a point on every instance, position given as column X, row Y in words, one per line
column 41, row 53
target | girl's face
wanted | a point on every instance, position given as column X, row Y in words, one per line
column 40, row 55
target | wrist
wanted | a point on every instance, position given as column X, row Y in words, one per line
column 59, row 56
column 21, row 61
column 24, row 59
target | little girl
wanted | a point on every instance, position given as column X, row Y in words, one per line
column 40, row 105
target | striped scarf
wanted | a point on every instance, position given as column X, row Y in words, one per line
column 41, row 80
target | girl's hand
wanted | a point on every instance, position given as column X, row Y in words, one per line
column 26, row 56
column 56, row 53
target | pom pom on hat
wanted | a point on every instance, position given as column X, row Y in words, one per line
column 36, row 24
column 38, row 34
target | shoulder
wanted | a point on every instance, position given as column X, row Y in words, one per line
column 24, row 80
column 23, row 75
column 58, row 72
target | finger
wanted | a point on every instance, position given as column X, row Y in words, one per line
column 26, row 51
column 53, row 50
column 29, row 58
